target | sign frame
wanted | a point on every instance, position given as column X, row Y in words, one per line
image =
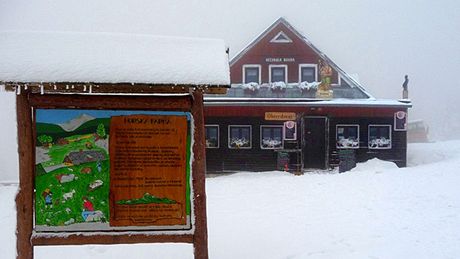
column 28, row 100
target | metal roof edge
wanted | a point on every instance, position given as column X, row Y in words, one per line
column 255, row 40
column 223, row 101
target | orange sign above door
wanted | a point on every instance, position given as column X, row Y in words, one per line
column 280, row 116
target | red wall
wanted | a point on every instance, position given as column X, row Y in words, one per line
column 297, row 49
column 259, row 111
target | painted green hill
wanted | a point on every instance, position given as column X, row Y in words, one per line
column 49, row 129
column 91, row 126
column 56, row 132
column 146, row 199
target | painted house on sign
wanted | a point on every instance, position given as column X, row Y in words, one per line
column 82, row 157
column 290, row 107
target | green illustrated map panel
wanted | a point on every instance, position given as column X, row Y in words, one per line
column 72, row 169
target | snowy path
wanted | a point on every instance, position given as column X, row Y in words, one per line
column 377, row 211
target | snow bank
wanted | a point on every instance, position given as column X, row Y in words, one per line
column 374, row 165
column 423, row 153
column 8, row 222
column 409, row 212
column 111, row 58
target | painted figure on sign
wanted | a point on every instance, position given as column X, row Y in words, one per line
column 99, row 166
column 48, row 196
column 87, row 205
column 88, row 208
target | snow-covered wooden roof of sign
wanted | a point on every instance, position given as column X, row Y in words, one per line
column 112, row 58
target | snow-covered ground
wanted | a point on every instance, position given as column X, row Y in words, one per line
column 374, row 211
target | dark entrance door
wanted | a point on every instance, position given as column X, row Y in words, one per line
column 314, row 139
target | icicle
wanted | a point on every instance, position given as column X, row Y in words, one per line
column 42, row 89
column 55, row 87
column 84, row 88
column 73, row 87
column 18, row 89
column 67, row 87
column 90, row 88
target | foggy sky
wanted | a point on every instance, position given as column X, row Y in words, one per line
column 381, row 41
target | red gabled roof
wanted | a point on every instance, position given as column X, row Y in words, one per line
column 348, row 79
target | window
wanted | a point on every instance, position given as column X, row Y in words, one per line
column 271, row 137
column 379, row 136
column 212, row 136
column 251, row 74
column 308, row 73
column 278, row 73
column 239, row 136
column 281, row 37
column 347, row 136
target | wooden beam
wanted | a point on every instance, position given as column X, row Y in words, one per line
column 200, row 239
column 24, row 198
column 107, row 88
column 132, row 238
column 165, row 103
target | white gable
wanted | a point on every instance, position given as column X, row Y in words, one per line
column 111, row 58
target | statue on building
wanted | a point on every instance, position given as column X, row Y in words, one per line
column 324, row 89
column 405, row 87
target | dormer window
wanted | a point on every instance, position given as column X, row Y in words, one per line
column 251, row 74
column 308, row 73
column 281, row 37
column 278, row 73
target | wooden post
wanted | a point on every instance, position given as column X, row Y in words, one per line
column 200, row 237
column 24, row 198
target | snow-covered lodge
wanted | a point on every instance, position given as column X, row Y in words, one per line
column 291, row 107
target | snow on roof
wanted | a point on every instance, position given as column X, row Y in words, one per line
column 112, row 58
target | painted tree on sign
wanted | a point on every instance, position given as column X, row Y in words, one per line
column 101, row 131
column 45, row 140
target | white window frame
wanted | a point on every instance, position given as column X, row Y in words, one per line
column 272, row 126
column 285, row 72
column 218, row 134
column 252, row 66
column 369, row 135
column 337, row 133
column 229, row 139
column 308, row 65
column 275, row 40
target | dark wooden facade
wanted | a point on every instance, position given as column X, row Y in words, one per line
column 225, row 159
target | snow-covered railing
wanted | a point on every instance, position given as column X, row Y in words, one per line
column 278, row 85
column 347, row 143
column 380, row 143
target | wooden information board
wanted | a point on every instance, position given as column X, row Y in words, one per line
column 111, row 170
column 148, row 155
